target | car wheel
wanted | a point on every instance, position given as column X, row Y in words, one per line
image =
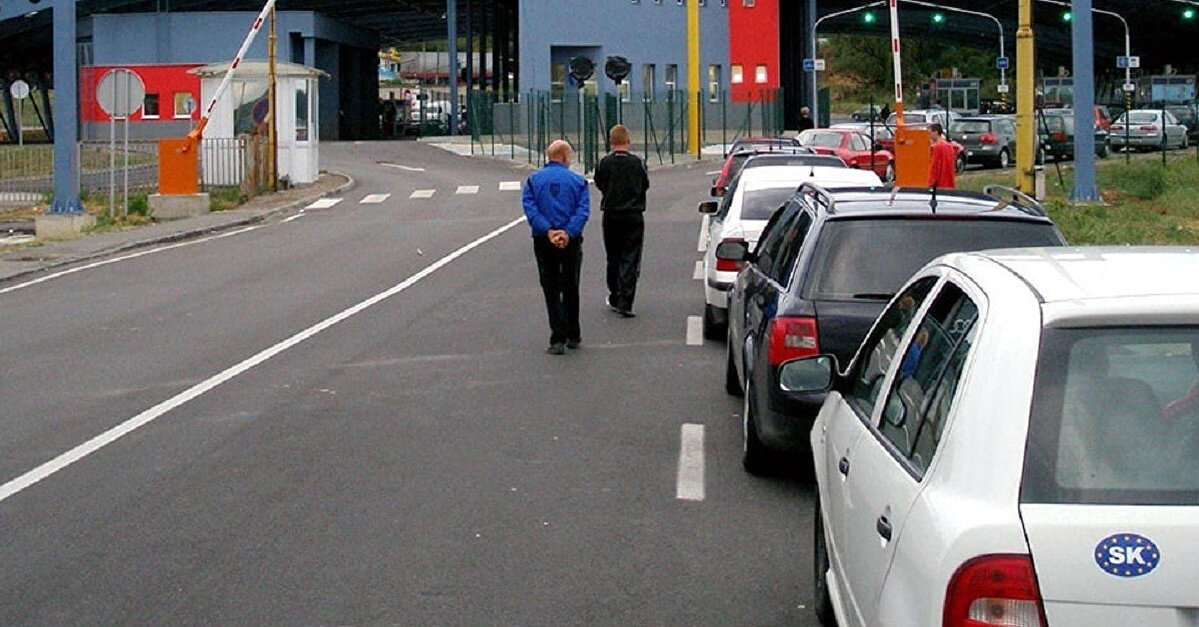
column 1102, row 151
column 1184, row 143
column 823, row 602
column 732, row 384
column 713, row 329
column 1005, row 159
column 755, row 458
column 960, row 166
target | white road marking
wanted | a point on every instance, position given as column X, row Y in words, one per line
column 467, row 189
column 290, row 218
column 695, row 331
column 699, row 270
column 323, row 203
column 403, row 167
column 509, row 186
column 423, row 193
column 106, row 262
column 690, row 484
column 712, row 172
column 702, row 245
column 64, row 460
column 374, row 199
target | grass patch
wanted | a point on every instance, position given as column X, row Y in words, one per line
column 1144, row 201
column 222, row 198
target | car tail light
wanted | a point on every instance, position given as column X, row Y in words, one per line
column 728, row 265
column 1117, row 127
column 988, row 138
column 1150, row 128
column 791, row 337
column 994, row 590
column 1059, row 137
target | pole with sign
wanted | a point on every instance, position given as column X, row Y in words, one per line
column 20, row 90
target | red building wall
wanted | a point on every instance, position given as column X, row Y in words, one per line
column 171, row 83
column 753, row 42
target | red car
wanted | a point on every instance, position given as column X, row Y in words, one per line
column 959, row 150
column 854, row 148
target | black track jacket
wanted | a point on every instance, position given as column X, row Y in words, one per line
column 622, row 179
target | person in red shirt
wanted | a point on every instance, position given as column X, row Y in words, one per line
column 941, row 165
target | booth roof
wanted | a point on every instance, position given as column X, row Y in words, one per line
column 259, row 69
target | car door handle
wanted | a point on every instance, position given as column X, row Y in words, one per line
column 883, row 526
column 843, row 466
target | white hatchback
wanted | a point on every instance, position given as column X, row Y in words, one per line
column 1016, row 442
column 741, row 215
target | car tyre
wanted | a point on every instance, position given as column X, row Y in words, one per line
column 713, row 329
column 732, row 384
column 960, row 165
column 755, row 457
column 1005, row 159
column 1184, row 143
column 823, row 602
column 1102, row 151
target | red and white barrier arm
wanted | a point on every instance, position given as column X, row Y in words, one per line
column 198, row 132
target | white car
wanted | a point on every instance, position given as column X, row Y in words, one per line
column 1016, row 442
column 741, row 214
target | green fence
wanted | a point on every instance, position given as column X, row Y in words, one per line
column 658, row 124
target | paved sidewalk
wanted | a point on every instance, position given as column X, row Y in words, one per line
column 22, row 260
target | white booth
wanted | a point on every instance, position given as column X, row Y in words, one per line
column 242, row 112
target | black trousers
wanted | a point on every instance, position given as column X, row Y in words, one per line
column 623, row 236
column 559, row 270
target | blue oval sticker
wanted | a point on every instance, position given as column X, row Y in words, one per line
column 1127, row 555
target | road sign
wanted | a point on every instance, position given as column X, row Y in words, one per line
column 819, row 65
column 1123, row 62
column 813, row 65
column 1001, row 63
column 120, row 92
column 19, row 89
column 1003, row 88
column 1129, row 87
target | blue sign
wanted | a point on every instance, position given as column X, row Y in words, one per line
column 1121, row 62
column 1127, row 555
column 809, row 65
column 1001, row 63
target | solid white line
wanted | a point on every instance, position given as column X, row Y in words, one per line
column 403, row 167
column 699, row 270
column 323, row 203
column 702, row 245
column 690, row 484
column 64, row 460
column 290, row 218
column 374, row 199
column 509, row 186
column 106, row 262
column 467, row 189
column 695, row 331
column 423, row 193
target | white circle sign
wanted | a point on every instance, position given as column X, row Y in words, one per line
column 19, row 89
column 120, row 92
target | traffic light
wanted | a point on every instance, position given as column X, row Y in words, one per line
column 1067, row 16
column 1188, row 14
column 938, row 18
column 869, row 17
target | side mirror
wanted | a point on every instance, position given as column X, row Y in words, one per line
column 807, row 375
column 733, row 250
column 707, row 206
column 717, row 190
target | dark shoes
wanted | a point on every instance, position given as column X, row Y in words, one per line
column 573, row 344
column 624, row 313
column 556, row 349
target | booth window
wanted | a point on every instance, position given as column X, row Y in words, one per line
column 647, row 81
column 150, row 107
column 185, row 104
column 713, row 83
column 302, row 113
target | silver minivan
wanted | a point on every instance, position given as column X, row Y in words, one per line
column 990, row 140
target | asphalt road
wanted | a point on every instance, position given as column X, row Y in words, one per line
column 346, row 416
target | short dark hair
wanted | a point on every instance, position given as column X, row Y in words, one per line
column 936, row 128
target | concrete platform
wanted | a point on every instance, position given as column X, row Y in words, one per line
column 174, row 206
column 62, row 225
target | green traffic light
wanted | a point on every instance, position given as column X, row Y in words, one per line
column 1188, row 14
column 1067, row 16
column 869, row 17
column 938, row 18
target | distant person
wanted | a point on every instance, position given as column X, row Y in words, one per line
column 557, row 204
column 943, row 158
column 622, row 179
column 884, row 113
column 805, row 119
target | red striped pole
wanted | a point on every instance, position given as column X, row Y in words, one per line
column 896, row 62
column 198, row 132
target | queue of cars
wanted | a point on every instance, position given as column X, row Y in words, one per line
column 1001, row 428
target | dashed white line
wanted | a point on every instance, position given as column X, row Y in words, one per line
column 409, row 168
column 690, row 483
column 323, row 203
column 695, row 331
column 81, row 451
column 467, row 189
column 509, row 186
column 290, row 218
column 374, row 199
column 698, row 273
column 423, row 193
column 702, row 244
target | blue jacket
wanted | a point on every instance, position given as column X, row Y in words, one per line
column 556, row 198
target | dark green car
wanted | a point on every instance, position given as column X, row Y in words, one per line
column 1056, row 129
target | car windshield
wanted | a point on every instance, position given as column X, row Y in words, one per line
column 1140, row 117
column 828, row 161
column 824, row 140
column 875, row 256
column 973, row 126
column 1059, row 123
column 759, row 204
column 1115, row 417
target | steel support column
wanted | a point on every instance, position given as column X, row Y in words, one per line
column 66, row 100
column 451, row 31
column 1026, row 137
column 1085, row 189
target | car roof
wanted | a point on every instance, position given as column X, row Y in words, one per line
column 773, row 176
column 857, row 202
column 1104, row 272
column 807, row 156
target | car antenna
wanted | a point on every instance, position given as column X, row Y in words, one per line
column 891, row 200
column 932, row 201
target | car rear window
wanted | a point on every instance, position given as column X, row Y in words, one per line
column 973, row 126
column 825, row 140
column 866, row 258
column 760, row 204
column 1059, row 123
column 1115, row 417
column 1140, row 117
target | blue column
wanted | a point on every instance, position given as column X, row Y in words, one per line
column 451, row 26
column 1085, row 189
column 66, row 102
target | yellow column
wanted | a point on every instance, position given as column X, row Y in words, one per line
column 693, row 86
column 1026, row 136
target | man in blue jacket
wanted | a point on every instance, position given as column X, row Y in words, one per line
column 557, row 205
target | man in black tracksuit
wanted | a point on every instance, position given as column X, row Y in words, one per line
column 622, row 179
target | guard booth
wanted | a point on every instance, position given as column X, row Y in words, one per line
column 242, row 111
column 958, row 94
column 1166, row 89
column 1057, row 91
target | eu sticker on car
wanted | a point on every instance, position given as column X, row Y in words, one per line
column 1127, row 555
